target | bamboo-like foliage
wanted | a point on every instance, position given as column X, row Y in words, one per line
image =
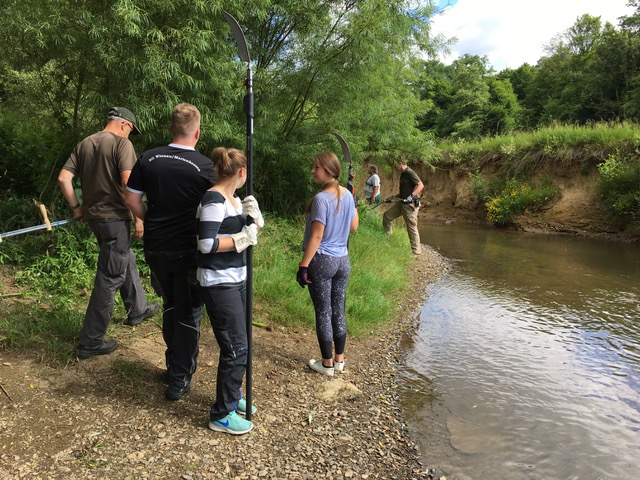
column 318, row 67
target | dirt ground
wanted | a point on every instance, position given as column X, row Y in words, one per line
column 107, row 418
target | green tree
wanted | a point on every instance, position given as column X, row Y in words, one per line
column 318, row 67
column 630, row 26
column 502, row 113
column 521, row 79
column 465, row 100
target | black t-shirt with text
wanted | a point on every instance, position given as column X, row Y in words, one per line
column 174, row 180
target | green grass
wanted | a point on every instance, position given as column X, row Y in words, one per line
column 55, row 272
column 521, row 152
column 378, row 274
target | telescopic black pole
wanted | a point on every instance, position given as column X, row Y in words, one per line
column 243, row 53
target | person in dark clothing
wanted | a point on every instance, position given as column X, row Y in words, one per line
column 223, row 237
column 410, row 188
column 174, row 178
column 103, row 162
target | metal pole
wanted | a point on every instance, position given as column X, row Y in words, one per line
column 44, row 226
column 243, row 53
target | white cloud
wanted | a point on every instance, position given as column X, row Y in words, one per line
column 513, row 32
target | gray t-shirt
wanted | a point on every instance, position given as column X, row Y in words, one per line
column 336, row 224
column 372, row 181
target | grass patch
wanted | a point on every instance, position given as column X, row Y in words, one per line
column 378, row 274
column 524, row 151
column 55, row 273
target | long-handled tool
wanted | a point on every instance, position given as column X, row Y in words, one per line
column 243, row 53
column 347, row 158
column 47, row 225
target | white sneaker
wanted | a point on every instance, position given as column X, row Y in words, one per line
column 318, row 367
column 338, row 366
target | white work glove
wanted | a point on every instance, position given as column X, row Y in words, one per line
column 246, row 237
column 250, row 208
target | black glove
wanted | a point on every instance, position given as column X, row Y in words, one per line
column 389, row 199
column 303, row 277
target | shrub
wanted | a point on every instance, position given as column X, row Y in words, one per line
column 619, row 184
column 515, row 197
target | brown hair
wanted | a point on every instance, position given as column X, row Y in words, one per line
column 185, row 120
column 228, row 161
column 329, row 161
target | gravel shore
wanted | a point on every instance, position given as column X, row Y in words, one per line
column 106, row 417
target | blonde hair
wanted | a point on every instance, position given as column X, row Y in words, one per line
column 228, row 161
column 185, row 120
column 329, row 161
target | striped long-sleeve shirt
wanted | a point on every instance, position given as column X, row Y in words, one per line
column 217, row 219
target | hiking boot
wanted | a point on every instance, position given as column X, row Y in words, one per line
column 318, row 367
column 232, row 424
column 242, row 407
column 135, row 320
column 176, row 393
column 107, row 346
column 338, row 366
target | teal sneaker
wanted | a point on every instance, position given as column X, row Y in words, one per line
column 242, row 407
column 232, row 424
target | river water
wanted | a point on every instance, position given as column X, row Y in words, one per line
column 526, row 360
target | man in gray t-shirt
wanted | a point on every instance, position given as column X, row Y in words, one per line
column 372, row 186
column 103, row 162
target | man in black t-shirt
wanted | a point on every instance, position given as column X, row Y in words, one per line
column 174, row 178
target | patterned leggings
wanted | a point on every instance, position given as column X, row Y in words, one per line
column 328, row 290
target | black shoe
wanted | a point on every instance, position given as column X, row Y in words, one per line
column 176, row 393
column 108, row 346
column 135, row 320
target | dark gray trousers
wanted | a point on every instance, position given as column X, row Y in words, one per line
column 226, row 306
column 117, row 271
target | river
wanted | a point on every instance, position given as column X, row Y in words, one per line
column 526, row 360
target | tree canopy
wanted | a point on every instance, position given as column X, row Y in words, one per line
column 318, row 67
column 365, row 69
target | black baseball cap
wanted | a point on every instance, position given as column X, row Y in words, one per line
column 125, row 114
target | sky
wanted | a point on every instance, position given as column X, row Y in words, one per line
column 513, row 32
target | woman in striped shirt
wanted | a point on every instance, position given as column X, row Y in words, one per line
column 223, row 236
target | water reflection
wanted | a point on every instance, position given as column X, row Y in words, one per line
column 531, row 344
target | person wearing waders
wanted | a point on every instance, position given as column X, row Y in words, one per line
column 174, row 178
column 223, row 237
column 325, row 265
column 103, row 162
